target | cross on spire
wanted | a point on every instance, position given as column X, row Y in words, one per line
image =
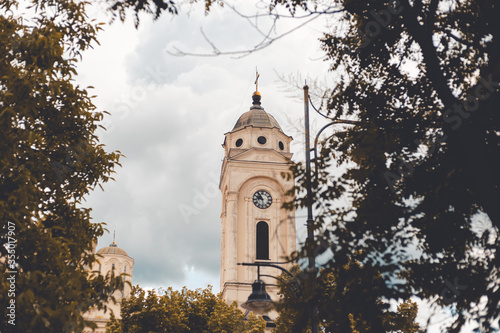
column 257, row 75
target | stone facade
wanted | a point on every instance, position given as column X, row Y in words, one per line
column 256, row 168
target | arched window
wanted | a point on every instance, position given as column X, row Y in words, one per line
column 262, row 240
column 113, row 267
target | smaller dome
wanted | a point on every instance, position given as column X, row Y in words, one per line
column 112, row 249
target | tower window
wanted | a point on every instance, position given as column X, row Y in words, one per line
column 281, row 145
column 99, row 268
column 113, row 267
column 262, row 241
column 239, row 142
column 262, row 140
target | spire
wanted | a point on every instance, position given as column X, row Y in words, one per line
column 256, row 95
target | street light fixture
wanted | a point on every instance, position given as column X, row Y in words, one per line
column 259, row 300
column 310, row 220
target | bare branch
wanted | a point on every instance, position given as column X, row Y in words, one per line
column 214, row 48
column 267, row 36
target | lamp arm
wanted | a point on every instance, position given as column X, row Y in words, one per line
column 266, row 264
column 334, row 122
column 315, row 148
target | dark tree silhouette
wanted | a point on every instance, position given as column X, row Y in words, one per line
column 347, row 301
column 421, row 78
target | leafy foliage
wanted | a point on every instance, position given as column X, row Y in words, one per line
column 182, row 311
column 113, row 325
column 153, row 7
column 347, row 302
column 50, row 158
column 421, row 78
column 404, row 320
column 156, row 8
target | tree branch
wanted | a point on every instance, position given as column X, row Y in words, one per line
column 267, row 40
column 474, row 159
column 460, row 40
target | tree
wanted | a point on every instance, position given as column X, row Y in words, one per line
column 182, row 311
column 119, row 8
column 346, row 301
column 113, row 325
column 404, row 320
column 421, row 79
column 50, row 158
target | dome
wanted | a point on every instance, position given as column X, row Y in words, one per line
column 112, row 249
column 256, row 117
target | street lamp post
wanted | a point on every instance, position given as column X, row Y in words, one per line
column 310, row 220
column 309, row 200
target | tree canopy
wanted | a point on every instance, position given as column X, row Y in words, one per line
column 50, row 158
column 420, row 79
column 182, row 311
column 347, row 302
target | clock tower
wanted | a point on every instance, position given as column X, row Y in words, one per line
column 255, row 180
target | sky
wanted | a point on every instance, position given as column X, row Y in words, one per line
column 168, row 117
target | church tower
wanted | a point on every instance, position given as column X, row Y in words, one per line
column 111, row 258
column 255, row 179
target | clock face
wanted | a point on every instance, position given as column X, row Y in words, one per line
column 262, row 199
